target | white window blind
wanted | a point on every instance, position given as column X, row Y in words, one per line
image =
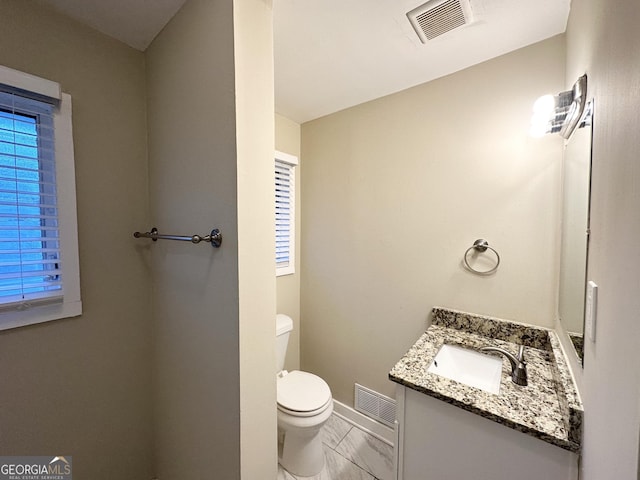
column 285, row 212
column 29, row 237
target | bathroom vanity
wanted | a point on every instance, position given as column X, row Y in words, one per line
column 450, row 430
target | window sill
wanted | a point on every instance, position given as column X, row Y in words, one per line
column 39, row 314
column 281, row 272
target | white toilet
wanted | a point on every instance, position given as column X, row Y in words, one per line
column 304, row 405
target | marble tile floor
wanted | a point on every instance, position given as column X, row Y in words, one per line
column 350, row 454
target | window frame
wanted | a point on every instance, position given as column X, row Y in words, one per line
column 292, row 162
column 69, row 305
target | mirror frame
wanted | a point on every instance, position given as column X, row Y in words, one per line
column 577, row 341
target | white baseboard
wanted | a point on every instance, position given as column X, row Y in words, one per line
column 377, row 429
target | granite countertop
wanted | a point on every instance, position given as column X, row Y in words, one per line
column 548, row 408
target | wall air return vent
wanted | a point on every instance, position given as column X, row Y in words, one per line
column 375, row 405
column 438, row 17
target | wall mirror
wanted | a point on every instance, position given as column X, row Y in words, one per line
column 576, row 188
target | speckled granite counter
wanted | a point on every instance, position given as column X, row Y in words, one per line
column 548, row 408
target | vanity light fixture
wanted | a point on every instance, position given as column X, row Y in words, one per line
column 559, row 113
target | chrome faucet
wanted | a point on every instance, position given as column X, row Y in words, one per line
column 518, row 365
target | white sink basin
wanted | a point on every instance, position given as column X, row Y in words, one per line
column 469, row 367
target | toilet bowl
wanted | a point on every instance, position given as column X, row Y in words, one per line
column 304, row 405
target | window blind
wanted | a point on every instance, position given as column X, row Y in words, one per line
column 284, row 213
column 29, row 237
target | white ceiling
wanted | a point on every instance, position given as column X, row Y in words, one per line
column 333, row 54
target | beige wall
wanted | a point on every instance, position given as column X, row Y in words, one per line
column 599, row 40
column 394, row 192
column 211, row 142
column 288, row 286
column 193, row 188
column 253, row 46
column 82, row 386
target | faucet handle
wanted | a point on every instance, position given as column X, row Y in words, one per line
column 519, row 374
column 520, row 356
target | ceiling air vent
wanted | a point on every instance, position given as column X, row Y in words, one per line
column 437, row 17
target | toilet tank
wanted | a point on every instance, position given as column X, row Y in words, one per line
column 284, row 325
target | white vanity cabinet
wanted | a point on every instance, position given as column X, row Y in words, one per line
column 439, row 441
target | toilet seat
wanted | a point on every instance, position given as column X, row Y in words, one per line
column 311, row 413
column 302, row 394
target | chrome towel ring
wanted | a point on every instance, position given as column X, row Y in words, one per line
column 481, row 245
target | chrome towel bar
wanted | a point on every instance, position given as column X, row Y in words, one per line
column 215, row 237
